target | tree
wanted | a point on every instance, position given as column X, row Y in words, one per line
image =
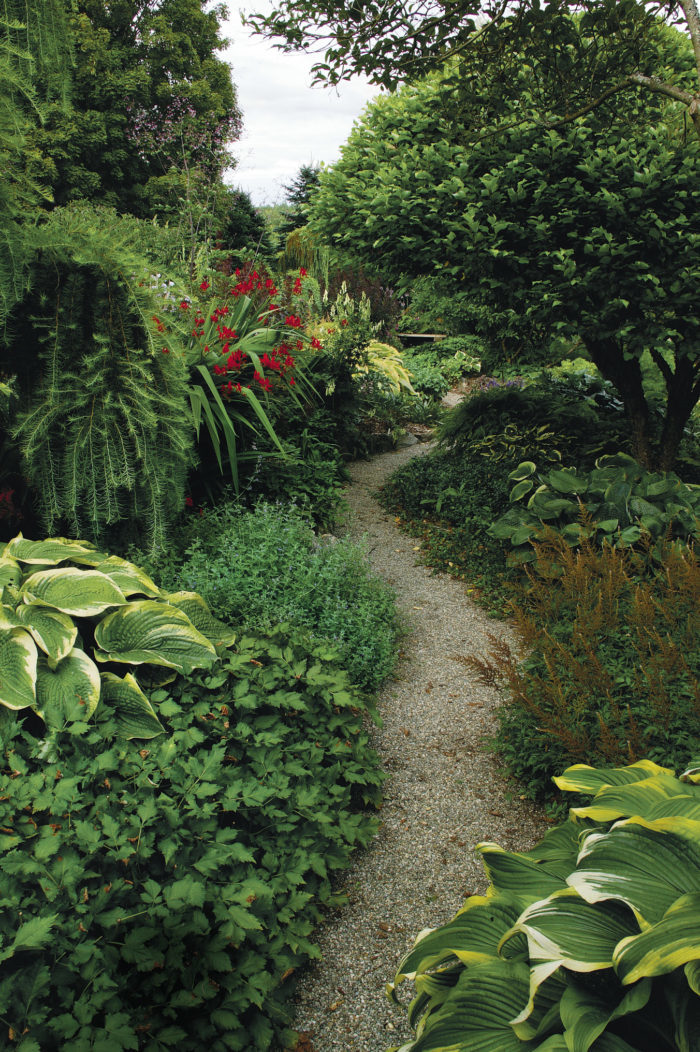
column 298, row 196
column 574, row 67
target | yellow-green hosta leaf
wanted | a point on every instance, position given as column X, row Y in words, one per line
column 692, row 974
column 150, row 632
column 586, row 1013
column 559, row 848
column 584, row 779
column 70, row 690
column 472, row 935
column 10, row 572
column 135, row 716
column 632, row 798
column 665, row 946
column 80, row 593
column 192, row 604
column 52, row 551
column 685, row 1011
column 579, row 935
column 54, row 632
column 645, row 864
column 131, row 579
column 8, row 618
column 18, row 659
column 521, row 876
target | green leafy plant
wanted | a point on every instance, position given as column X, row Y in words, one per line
column 66, row 609
column 589, row 941
column 618, row 501
column 162, row 897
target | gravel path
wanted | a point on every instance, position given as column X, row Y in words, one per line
column 445, row 793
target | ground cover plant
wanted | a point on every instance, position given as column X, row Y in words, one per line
column 160, row 892
column 588, row 941
column 257, row 568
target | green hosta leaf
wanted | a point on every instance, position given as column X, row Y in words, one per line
column 81, row 593
column 633, row 798
column 10, row 572
column 692, row 974
column 192, row 604
column 575, row 933
column 667, row 945
column 645, row 864
column 54, row 550
column 18, row 659
column 520, row 489
column 521, row 876
column 472, row 935
column 130, row 579
column 149, row 632
column 54, row 632
column 567, row 481
column 74, row 681
column 136, row 717
column 584, row 779
column 523, row 471
column 586, row 1014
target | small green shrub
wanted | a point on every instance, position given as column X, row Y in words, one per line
column 159, row 898
column 262, row 567
column 611, row 667
column 589, row 941
column 426, row 377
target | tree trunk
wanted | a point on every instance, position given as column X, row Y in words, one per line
column 625, row 375
column 683, row 387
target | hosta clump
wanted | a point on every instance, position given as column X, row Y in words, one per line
column 620, row 499
column 590, row 941
column 161, row 898
column 72, row 618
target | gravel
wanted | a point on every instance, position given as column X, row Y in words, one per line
column 445, row 793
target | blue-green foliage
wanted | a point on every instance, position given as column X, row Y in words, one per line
column 159, row 897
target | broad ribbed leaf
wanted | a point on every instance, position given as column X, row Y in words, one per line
column 558, row 848
column 18, row 658
column 580, row 935
column 667, row 945
column 472, row 935
column 51, row 551
column 51, row 630
column 135, row 716
column 644, row 864
column 80, row 593
column 10, row 572
column 586, row 1013
column 476, row 1016
column 149, row 632
column 70, row 690
column 192, row 604
column 633, row 798
column 692, row 974
column 518, row 874
column 131, row 579
column 584, row 779
column 685, row 1010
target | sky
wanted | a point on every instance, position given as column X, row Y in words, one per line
column 286, row 122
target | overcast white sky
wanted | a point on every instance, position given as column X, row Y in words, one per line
column 286, row 123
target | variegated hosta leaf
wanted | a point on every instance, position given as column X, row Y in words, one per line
column 131, row 579
column 50, row 552
column 692, row 974
column 584, row 779
column 8, row 618
column 70, row 690
column 135, row 716
column 54, row 632
column 18, row 658
column 80, row 593
column 579, row 935
column 665, row 946
column 648, row 865
column 633, row 798
column 149, row 632
column 10, row 572
column 520, row 875
column 472, row 935
column 192, row 604
column 558, row 848
column 586, row 1013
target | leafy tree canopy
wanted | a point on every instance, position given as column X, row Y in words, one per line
column 395, row 40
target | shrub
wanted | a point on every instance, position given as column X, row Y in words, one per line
column 588, row 941
column 160, row 897
column 262, row 567
column 611, row 671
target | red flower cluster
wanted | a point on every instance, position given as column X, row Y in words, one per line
column 293, row 321
column 253, row 283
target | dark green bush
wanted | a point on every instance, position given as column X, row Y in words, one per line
column 262, row 567
column 159, row 897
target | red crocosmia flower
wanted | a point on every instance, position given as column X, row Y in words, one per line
column 293, row 321
column 238, row 388
column 300, row 345
column 189, row 502
column 316, row 344
column 220, row 370
column 303, row 271
column 292, row 381
column 344, row 322
column 235, row 360
column 289, row 362
column 204, row 286
column 184, row 305
column 165, row 350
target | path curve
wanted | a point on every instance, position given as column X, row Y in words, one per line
column 445, row 793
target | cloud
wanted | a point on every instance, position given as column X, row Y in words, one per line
column 286, row 122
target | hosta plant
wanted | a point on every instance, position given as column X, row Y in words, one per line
column 621, row 499
column 78, row 624
column 590, row 941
